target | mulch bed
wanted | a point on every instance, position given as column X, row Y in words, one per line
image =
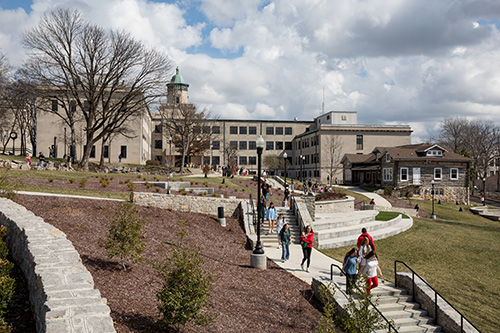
column 244, row 298
column 396, row 202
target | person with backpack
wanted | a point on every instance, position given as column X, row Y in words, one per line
column 364, row 234
column 370, row 271
column 280, row 222
column 286, row 198
column 350, row 269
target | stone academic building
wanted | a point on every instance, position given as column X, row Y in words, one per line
column 307, row 143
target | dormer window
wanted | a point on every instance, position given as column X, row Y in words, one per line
column 435, row 153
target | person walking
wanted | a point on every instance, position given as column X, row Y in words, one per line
column 271, row 216
column 370, row 271
column 285, row 239
column 306, row 241
column 363, row 234
column 266, row 190
column 286, row 198
column 417, row 210
column 280, row 222
column 364, row 249
column 262, row 212
column 28, row 160
column 350, row 269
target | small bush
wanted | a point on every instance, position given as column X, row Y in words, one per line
column 112, row 177
column 50, row 179
column 191, row 191
column 148, row 185
column 83, row 182
column 71, row 180
column 121, row 182
column 8, row 188
column 185, row 286
column 104, row 183
column 220, row 186
column 131, row 186
column 127, row 180
column 214, row 195
column 157, row 189
column 124, row 237
column 153, row 162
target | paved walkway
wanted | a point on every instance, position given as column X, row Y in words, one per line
column 379, row 200
column 66, row 195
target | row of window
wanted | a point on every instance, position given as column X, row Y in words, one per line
column 404, row 174
column 252, row 130
column 123, row 151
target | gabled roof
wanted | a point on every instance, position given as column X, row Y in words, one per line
column 360, row 158
column 419, row 151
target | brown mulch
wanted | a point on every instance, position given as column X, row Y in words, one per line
column 396, row 202
column 244, row 298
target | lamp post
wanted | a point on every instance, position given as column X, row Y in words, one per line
column 433, row 216
column 300, row 161
column 170, row 153
column 484, row 191
column 284, row 160
column 303, row 162
column 260, row 147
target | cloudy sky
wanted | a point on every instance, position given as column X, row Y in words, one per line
column 393, row 61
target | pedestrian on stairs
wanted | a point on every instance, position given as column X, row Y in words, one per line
column 364, row 249
column 350, row 269
column 271, row 216
column 286, row 198
column 363, row 234
column 279, row 226
column 262, row 212
column 306, row 241
column 370, row 271
column 285, row 239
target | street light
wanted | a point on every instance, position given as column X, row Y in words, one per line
column 300, row 162
column 433, row 216
column 484, row 191
column 284, row 160
column 260, row 147
column 303, row 161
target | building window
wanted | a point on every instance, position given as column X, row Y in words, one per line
column 105, row 152
column 269, row 145
column 288, row 131
column 438, row 173
column 403, row 174
column 233, row 130
column 252, row 160
column 252, row 145
column 123, row 151
column 206, row 160
column 359, row 142
column 54, row 105
column 215, row 145
column 158, row 128
column 243, row 130
column 252, row 130
column 233, row 145
column 92, row 151
column 72, row 106
column 206, row 129
column 344, row 117
column 215, row 160
column 270, row 130
column 216, row 129
column 243, row 145
column 387, row 157
column 279, row 145
column 158, row 144
column 434, row 153
column 454, row 174
column 288, row 145
column 387, row 174
column 243, row 160
column 279, row 130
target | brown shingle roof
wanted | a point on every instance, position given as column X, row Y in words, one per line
column 360, row 158
column 413, row 152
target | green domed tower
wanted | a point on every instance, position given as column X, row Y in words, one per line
column 177, row 89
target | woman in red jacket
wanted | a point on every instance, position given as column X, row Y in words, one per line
column 306, row 241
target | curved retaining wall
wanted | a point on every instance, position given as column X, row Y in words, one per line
column 62, row 293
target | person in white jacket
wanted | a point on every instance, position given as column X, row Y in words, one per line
column 370, row 271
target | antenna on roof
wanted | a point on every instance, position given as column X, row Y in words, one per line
column 323, row 104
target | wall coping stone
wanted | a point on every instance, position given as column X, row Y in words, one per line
column 61, row 290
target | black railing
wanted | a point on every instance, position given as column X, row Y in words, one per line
column 254, row 220
column 362, row 291
column 436, row 294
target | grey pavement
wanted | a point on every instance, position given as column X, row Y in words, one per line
column 379, row 200
column 66, row 195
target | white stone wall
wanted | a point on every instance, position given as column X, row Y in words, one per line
column 335, row 206
column 62, row 293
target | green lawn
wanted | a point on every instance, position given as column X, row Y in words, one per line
column 387, row 216
column 457, row 256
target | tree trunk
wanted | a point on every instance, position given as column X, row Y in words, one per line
column 101, row 160
column 33, row 128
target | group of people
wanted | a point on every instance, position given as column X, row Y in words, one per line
column 43, row 161
column 362, row 261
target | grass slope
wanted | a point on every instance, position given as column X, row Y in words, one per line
column 457, row 256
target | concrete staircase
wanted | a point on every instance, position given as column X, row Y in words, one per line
column 292, row 222
column 343, row 229
column 395, row 304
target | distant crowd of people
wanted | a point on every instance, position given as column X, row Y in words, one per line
column 42, row 160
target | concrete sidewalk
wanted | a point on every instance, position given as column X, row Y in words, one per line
column 66, row 195
column 379, row 200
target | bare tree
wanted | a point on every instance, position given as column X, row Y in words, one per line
column 333, row 156
column 454, row 134
column 271, row 162
column 231, row 153
column 185, row 125
column 110, row 76
column 6, row 119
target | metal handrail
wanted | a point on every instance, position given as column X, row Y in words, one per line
column 361, row 291
column 253, row 210
column 436, row 294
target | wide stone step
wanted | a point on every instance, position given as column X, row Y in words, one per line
column 395, row 299
column 398, row 306
column 329, row 221
column 424, row 320
column 408, row 313
column 395, row 229
column 416, row 329
column 354, row 230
